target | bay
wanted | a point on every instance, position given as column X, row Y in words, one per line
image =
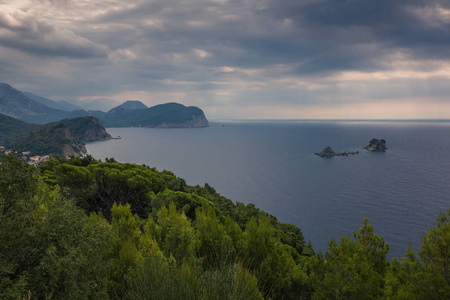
column 271, row 164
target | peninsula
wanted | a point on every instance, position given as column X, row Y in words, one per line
column 65, row 137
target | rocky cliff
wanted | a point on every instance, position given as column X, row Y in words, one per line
column 73, row 146
column 195, row 121
column 87, row 129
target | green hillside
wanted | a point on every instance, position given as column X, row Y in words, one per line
column 50, row 139
column 10, row 127
column 64, row 137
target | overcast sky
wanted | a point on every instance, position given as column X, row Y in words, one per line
column 263, row 59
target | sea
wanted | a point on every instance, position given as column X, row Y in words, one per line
column 272, row 164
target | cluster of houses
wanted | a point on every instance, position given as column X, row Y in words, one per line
column 26, row 155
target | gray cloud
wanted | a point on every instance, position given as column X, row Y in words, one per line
column 23, row 31
column 219, row 52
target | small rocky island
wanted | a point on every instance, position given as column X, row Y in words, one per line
column 328, row 152
column 376, row 145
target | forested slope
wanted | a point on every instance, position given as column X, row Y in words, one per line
column 10, row 127
column 80, row 228
column 65, row 137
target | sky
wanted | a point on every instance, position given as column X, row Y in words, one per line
column 236, row 59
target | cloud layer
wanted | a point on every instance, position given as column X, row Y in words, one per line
column 236, row 59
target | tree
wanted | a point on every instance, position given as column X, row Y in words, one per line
column 77, row 183
column 178, row 238
column 73, row 262
column 215, row 246
column 124, row 251
column 122, row 184
column 426, row 274
column 49, row 248
column 271, row 261
column 19, row 238
column 353, row 268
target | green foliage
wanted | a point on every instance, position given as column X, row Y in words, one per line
column 178, row 238
column 426, row 274
column 160, row 278
column 73, row 262
column 291, row 235
column 17, row 181
column 215, row 246
column 124, row 250
column 157, row 237
column 122, row 184
column 354, row 268
column 76, row 183
column 49, row 247
column 18, row 220
column 271, row 261
column 173, row 182
column 188, row 203
column 49, row 139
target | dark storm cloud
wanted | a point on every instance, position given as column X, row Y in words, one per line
column 411, row 24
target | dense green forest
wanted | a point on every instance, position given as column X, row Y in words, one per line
column 80, row 228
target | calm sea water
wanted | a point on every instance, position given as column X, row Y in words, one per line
column 272, row 165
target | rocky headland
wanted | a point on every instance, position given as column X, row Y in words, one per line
column 329, row 152
column 65, row 137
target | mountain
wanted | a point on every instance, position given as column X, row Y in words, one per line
column 65, row 137
column 61, row 105
column 35, row 109
column 10, row 127
column 133, row 104
column 16, row 104
column 99, row 105
column 162, row 116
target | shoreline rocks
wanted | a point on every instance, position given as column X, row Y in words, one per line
column 376, row 145
column 329, row 152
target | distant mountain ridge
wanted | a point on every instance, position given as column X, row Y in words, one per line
column 61, row 105
column 16, row 104
column 21, row 105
